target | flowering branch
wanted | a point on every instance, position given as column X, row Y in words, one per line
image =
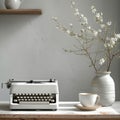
column 88, row 38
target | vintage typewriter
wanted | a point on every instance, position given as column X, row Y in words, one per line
column 33, row 94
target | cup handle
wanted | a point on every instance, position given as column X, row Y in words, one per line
column 97, row 100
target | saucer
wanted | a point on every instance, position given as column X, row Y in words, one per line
column 84, row 108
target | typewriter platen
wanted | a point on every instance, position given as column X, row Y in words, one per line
column 34, row 94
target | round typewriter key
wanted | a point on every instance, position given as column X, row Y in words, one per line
column 45, row 97
column 41, row 97
column 18, row 97
column 51, row 96
column 27, row 96
column 48, row 97
column 37, row 96
column 52, row 100
column 15, row 100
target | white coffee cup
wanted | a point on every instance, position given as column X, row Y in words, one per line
column 88, row 99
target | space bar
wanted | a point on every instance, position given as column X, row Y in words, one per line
column 26, row 102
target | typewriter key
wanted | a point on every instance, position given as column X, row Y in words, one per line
column 27, row 97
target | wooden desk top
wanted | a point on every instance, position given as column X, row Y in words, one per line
column 66, row 111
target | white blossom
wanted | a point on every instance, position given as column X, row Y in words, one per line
column 110, row 42
column 109, row 23
column 76, row 13
column 92, row 7
column 113, row 41
column 57, row 27
column 54, row 18
column 76, row 9
column 95, row 33
column 83, row 19
column 107, row 45
column 82, row 30
column 71, row 25
column 68, row 31
column 73, row 2
column 89, row 27
column 101, row 14
column 99, row 30
column 102, row 26
column 99, row 17
column 101, row 61
column 82, row 15
column 94, row 11
column 117, row 36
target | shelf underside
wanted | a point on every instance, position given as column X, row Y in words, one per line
column 20, row 11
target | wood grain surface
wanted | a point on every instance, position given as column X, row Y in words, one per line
column 58, row 117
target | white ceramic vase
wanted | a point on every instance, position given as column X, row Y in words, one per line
column 103, row 84
column 12, row 4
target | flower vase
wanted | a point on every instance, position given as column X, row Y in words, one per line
column 103, row 84
column 12, row 4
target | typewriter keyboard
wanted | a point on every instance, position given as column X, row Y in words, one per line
column 49, row 98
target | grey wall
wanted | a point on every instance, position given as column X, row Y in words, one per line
column 32, row 48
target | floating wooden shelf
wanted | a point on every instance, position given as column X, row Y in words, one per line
column 20, row 11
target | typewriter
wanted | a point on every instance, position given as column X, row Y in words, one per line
column 33, row 94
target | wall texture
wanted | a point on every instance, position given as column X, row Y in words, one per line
column 32, row 48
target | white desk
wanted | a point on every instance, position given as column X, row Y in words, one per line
column 66, row 111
